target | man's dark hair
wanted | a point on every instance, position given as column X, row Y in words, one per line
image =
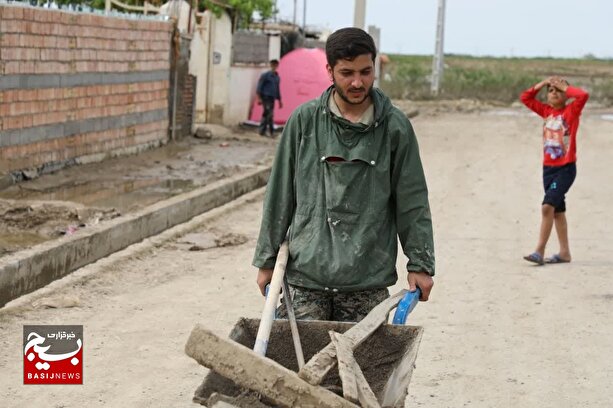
column 274, row 61
column 348, row 43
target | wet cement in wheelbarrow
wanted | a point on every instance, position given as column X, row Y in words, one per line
column 377, row 356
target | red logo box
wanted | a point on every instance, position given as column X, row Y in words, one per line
column 52, row 354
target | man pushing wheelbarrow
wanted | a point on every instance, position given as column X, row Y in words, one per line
column 347, row 180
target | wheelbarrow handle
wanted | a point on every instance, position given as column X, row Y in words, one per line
column 406, row 306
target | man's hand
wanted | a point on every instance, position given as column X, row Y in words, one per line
column 264, row 278
column 258, row 100
column 280, row 105
column 420, row 280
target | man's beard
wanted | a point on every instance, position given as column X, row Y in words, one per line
column 344, row 97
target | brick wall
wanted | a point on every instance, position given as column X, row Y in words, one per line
column 75, row 85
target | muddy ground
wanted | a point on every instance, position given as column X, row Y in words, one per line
column 52, row 205
column 498, row 332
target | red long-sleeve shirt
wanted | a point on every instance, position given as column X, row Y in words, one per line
column 560, row 127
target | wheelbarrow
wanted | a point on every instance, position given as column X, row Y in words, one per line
column 366, row 364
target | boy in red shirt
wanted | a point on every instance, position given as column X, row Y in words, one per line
column 559, row 157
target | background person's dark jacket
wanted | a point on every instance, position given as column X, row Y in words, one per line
column 268, row 85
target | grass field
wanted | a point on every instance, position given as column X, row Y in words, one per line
column 493, row 79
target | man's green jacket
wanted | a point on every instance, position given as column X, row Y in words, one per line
column 346, row 191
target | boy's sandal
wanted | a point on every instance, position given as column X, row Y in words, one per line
column 535, row 258
column 555, row 259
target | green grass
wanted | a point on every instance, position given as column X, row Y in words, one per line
column 494, row 79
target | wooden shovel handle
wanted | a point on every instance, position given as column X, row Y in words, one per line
column 270, row 306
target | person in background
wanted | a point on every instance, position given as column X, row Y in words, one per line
column 561, row 121
column 267, row 92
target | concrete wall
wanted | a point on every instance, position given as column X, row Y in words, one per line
column 227, row 68
column 250, row 47
column 210, row 64
column 219, row 75
column 243, row 81
column 199, row 64
column 78, row 85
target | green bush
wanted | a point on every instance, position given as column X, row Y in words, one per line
column 485, row 84
column 493, row 79
column 408, row 78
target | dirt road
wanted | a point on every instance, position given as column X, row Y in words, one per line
column 498, row 332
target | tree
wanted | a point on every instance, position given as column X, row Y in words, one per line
column 241, row 11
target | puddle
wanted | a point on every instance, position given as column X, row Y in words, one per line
column 14, row 241
column 23, row 225
column 139, row 194
column 124, row 196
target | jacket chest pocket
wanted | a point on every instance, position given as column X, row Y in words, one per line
column 348, row 186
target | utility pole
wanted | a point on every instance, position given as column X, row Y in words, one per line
column 437, row 61
column 304, row 16
column 375, row 33
column 359, row 14
column 295, row 11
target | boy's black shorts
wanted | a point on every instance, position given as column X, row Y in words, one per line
column 557, row 181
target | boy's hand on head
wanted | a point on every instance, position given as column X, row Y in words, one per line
column 543, row 83
column 559, row 83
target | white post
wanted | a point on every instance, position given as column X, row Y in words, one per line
column 359, row 14
column 304, row 16
column 437, row 61
column 274, row 46
column 375, row 33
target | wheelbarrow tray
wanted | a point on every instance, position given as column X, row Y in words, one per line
column 389, row 351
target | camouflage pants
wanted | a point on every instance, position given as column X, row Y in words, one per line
column 312, row 304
